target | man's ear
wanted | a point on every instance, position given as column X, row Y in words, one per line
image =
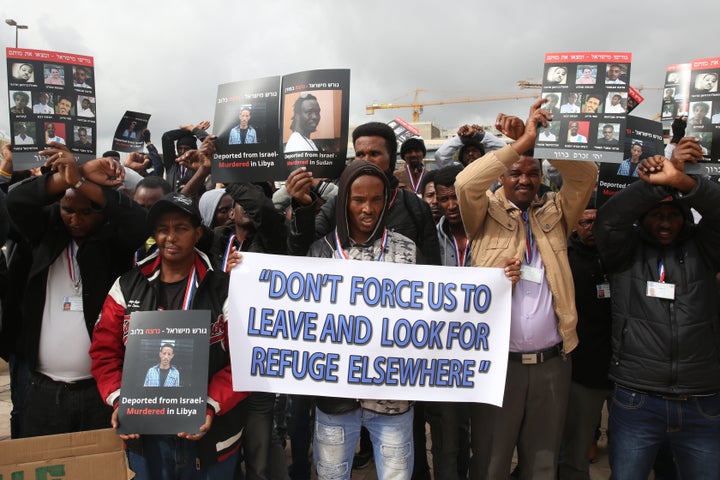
column 501, row 178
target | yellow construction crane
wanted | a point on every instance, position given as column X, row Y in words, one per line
column 417, row 105
column 525, row 84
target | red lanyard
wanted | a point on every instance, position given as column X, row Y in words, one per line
column 415, row 186
column 343, row 255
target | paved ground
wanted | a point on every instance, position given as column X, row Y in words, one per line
column 598, row 470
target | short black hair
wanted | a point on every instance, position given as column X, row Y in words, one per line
column 296, row 106
column 702, row 105
column 169, row 345
column 153, row 182
column 429, row 177
column 446, row 175
column 378, row 129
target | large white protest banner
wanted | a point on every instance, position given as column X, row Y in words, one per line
column 375, row 330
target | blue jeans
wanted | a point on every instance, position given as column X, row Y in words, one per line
column 167, row 457
column 639, row 423
column 336, row 437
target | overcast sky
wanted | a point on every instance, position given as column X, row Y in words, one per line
column 166, row 58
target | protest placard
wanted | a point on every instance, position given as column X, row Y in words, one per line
column 165, row 372
column 403, row 130
column 587, row 95
column 52, row 99
column 703, row 120
column 676, row 93
column 268, row 127
column 643, row 139
column 374, row 330
column 634, row 99
column 128, row 134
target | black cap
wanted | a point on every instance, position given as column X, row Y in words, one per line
column 174, row 201
column 413, row 143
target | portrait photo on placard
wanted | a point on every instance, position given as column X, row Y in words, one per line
column 556, row 74
column 586, row 75
column 54, row 74
column 22, row 72
column 705, row 82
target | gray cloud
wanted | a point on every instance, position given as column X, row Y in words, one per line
column 167, row 58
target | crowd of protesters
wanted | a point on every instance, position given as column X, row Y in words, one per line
column 618, row 304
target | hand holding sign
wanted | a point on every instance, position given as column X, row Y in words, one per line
column 687, row 150
column 298, row 185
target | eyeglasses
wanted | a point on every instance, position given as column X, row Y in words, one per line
column 586, row 222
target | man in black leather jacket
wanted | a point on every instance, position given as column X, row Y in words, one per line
column 666, row 331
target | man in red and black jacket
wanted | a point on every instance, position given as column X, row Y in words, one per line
column 177, row 276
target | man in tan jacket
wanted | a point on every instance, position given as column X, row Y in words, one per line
column 513, row 223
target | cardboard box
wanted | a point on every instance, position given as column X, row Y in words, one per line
column 71, row 456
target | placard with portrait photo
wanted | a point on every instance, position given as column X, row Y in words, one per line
column 269, row 127
column 41, row 91
column 643, row 139
column 165, row 372
column 590, row 95
column 703, row 121
column 676, row 93
column 633, row 99
column 128, row 134
column 403, row 130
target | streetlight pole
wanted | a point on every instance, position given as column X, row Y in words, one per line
column 13, row 23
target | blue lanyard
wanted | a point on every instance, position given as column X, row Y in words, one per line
column 190, row 289
column 661, row 271
column 529, row 240
column 228, row 247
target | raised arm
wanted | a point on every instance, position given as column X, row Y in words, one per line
column 170, row 137
column 467, row 134
column 202, row 167
column 474, row 181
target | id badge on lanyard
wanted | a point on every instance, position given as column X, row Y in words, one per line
column 661, row 289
